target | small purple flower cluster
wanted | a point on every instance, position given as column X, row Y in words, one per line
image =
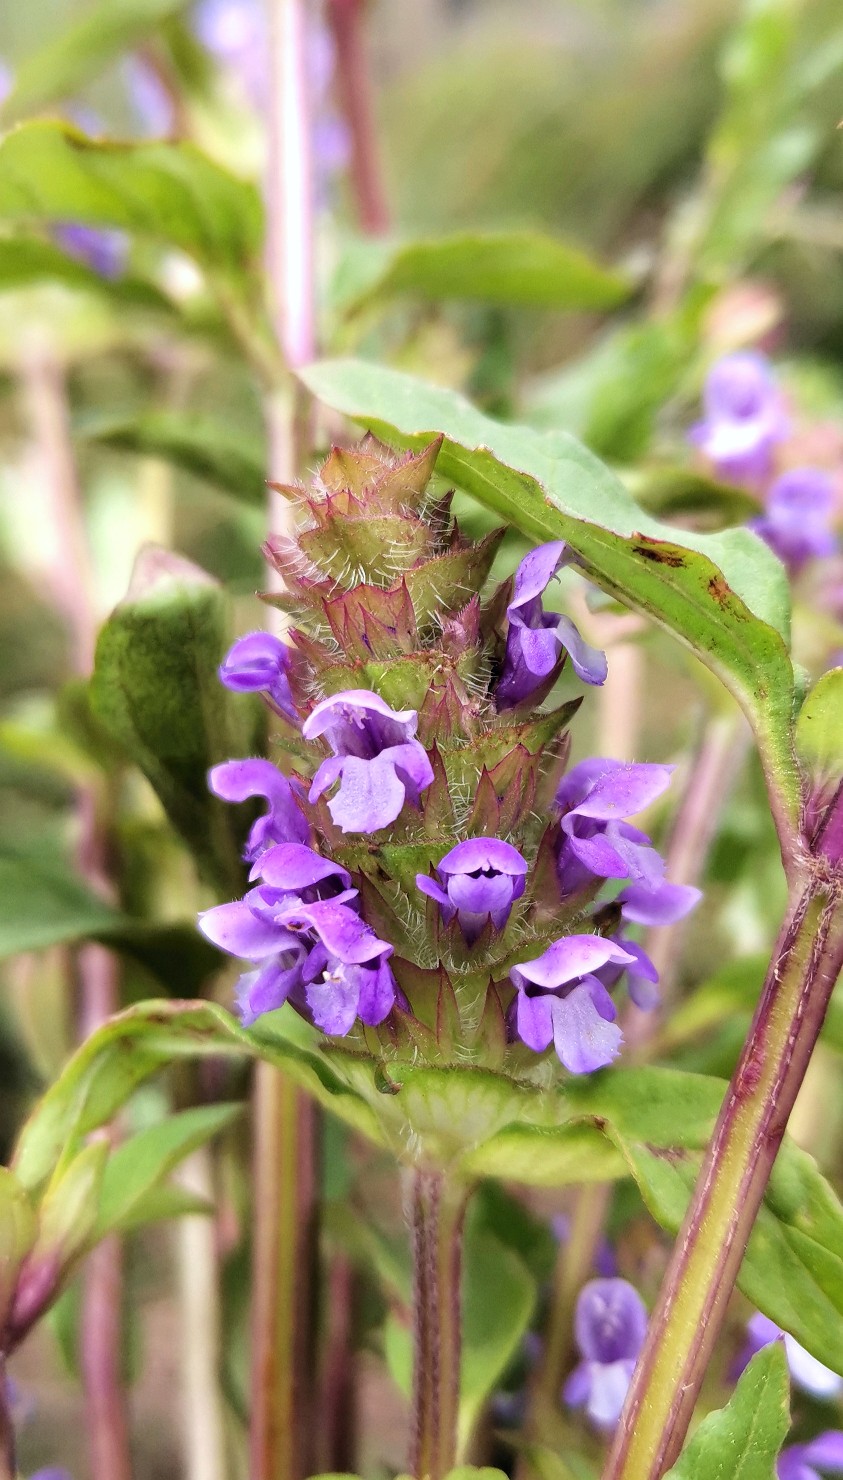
column 745, row 422
column 610, row 1324
column 386, row 781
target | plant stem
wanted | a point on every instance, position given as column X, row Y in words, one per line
column 337, row 1388
column 8, row 1467
column 199, row 1305
column 284, row 1253
column 436, row 1212
column 355, row 87
column 686, row 1322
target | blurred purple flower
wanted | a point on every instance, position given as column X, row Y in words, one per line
column 481, row 879
column 821, row 1456
column 805, row 1370
column 561, row 1000
column 610, row 1326
column 377, row 760
column 257, row 663
column 744, row 417
column 662, row 905
column 320, row 954
column 150, row 99
column 237, row 781
column 536, row 640
column 52, row 1472
column 235, row 32
column 605, row 1262
column 7, row 80
column 593, row 799
column 796, row 522
column 102, row 250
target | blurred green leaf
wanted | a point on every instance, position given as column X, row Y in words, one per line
column 67, row 1216
column 196, row 444
column 177, row 955
column 25, row 261
column 819, row 729
column 163, row 1204
column 167, row 191
column 742, row 1441
column 156, row 691
column 677, row 493
column 138, row 1166
column 67, row 61
column 17, row 1235
column 44, row 902
column 523, row 268
column 724, row 594
column 493, row 1329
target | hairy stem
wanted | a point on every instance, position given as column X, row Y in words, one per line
column 347, row 19
column 436, row 1212
column 284, row 1253
column 686, row 1322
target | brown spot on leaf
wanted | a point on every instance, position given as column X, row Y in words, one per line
column 719, row 588
column 652, row 549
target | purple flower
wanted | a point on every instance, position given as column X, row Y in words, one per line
column 536, row 640
column 610, row 1326
column 236, row 781
column 52, row 1472
column 102, row 250
column 257, row 663
column 641, row 975
column 149, row 97
column 377, row 760
column 320, row 954
column 7, row 80
column 744, row 417
column 662, row 905
column 796, row 523
column 480, row 879
column 805, row 1370
column 562, row 1000
column 594, row 798
column 234, row 31
column 604, row 1260
column 806, row 1461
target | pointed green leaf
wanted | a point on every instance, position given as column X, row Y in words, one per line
column 218, row 454
column 67, row 1216
column 724, row 595
column 742, row 1441
column 163, row 1205
column 44, row 902
column 169, row 192
column 819, row 730
column 67, row 61
column 28, row 261
column 139, row 1165
column 524, row 268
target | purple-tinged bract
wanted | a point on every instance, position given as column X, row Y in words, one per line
column 480, row 880
column 610, row 1325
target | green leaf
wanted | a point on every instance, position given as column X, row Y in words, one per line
column 67, row 1217
column 197, row 445
column 156, row 691
column 793, row 1266
column 819, row 729
column 525, row 268
column 164, row 1204
column 742, row 1441
column 44, row 903
column 724, row 595
column 17, row 1235
column 66, row 62
column 166, row 191
column 137, row 1166
column 493, row 1329
column 28, row 261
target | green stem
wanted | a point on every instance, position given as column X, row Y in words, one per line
column 708, row 1251
column 436, row 1211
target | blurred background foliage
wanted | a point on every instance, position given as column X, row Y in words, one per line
column 689, row 149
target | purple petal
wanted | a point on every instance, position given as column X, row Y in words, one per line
column 589, row 663
column 333, row 1002
column 265, row 990
column 660, row 906
column 294, row 867
column 536, row 571
column 238, row 781
column 614, row 791
column 257, row 663
column 481, row 896
column 239, row 931
column 583, row 1039
column 809, row 1374
column 377, row 994
column 578, row 1386
column 433, row 890
column 609, row 1387
column 567, row 959
column 538, row 647
column 483, row 853
column 412, row 763
column 370, row 797
column 333, row 716
column 611, row 1321
column 826, row 1450
column 341, row 931
column 534, row 1021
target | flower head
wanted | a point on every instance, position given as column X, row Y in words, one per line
column 536, row 640
column 237, row 781
column 796, row 522
column 257, row 663
column 377, row 760
column 822, row 1456
column 480, row 880
column 805, row 1370
column 744, row 417
column 561, row 1000
column 610, row 1326
column 594, row 798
